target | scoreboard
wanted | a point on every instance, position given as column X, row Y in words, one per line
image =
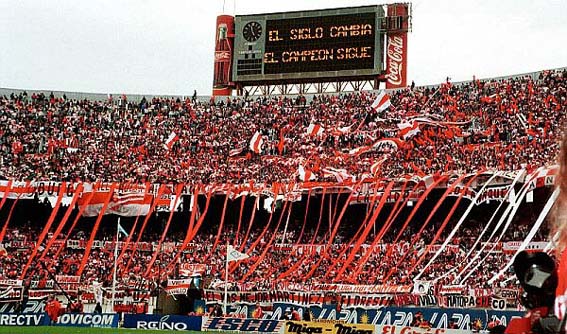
column 344, row 42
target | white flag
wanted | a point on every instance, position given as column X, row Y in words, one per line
column 234, row 255
column 121, row 230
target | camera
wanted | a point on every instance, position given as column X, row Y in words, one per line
column 538, row 278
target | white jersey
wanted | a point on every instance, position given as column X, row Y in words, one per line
column 98, row 291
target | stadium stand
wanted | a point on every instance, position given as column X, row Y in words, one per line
column 450, row 129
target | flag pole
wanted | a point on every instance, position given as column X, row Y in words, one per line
column 225, row 282
column 115, row 266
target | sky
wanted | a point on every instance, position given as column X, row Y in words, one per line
column 167, row 46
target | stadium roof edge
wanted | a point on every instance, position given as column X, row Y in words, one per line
column 138, row 97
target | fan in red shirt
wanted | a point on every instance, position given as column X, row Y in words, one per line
column 53, row 309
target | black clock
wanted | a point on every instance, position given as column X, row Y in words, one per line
column 252, row 31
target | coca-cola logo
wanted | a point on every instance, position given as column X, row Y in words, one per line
column 222, row 55
column 395, row 59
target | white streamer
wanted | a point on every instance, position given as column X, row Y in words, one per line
column 512, row 207
column 532, row 233
column 478, row 240
column 454, row 231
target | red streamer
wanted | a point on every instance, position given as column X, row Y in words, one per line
column 304, row 218
column 45, row 230
column 78, row 191
column 79, row 214
column 333, row 233
column 237, row 234
column 5, row 228
column 445, row 222
column 89, row 245
column 358, row 244
column 191, row 232
column 266, row 249
column 358, row 232
column 396, row 210
column 221, row 225
column 320, row 216
column 126, row 244
column 161, row 189
column 416, row 237
column 158, row 249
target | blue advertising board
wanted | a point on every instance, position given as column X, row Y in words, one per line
column 401, row 316
column 21, row 319
column 68, row 319
column 86, row 320
column 168, row 322
column 243, row 325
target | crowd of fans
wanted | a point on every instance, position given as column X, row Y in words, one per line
column 499, row 124
column 504, row 124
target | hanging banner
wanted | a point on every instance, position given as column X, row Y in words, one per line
column 487, row 195
column 299, row 298
column 10, row 293
column 511, row 247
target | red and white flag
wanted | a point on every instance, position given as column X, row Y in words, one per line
column 305, row 174
column 127, row 204
column 409, row 129
column 315, row 130
column 173, row 137
column 256, row 142
column 340, row 174
column 343, row 130
column 17, row 189
column 234, row 152
column 382, row 102
column 375, row 168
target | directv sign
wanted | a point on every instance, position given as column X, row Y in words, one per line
column 15, row 319
column 166, row 322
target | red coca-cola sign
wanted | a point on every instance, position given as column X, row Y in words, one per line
column 222, row 55
column 396, row 61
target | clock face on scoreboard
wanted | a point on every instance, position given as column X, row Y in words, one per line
column 252, row 31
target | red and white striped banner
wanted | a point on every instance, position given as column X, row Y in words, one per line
column 256, row 143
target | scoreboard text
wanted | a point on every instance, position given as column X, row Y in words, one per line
column 328, row 43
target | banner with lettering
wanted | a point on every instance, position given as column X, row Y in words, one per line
column 299, row 327
column 402, row 316
column 300, row 298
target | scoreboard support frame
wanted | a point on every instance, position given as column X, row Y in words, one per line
column 311, row 87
